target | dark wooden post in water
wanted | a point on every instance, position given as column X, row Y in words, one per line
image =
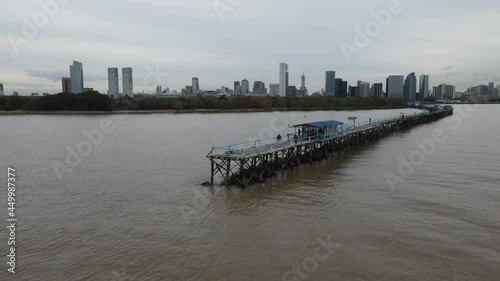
column 212, row 169
column 228, row 172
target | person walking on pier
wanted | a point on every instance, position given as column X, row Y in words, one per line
column 299, row 133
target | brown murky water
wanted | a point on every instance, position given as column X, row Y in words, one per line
column 133, row 209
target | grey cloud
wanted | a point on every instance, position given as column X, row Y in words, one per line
column 47, row 74
column 57, row 75
column 189, row 39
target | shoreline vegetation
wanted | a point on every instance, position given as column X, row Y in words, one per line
column 96, row 103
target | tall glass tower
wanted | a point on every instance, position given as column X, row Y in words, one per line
column 128, row 82
column 113, row 90
column 424, row 86
column 283, row 79
column 195, row 84
column 410, row 87
column 330, row 83
column 76, row 73
column 395, row 86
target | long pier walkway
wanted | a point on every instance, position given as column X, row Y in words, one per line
column 245, row 163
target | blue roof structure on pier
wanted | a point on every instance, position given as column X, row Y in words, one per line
column 331, row 123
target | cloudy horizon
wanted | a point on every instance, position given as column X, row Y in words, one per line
column 452, row 41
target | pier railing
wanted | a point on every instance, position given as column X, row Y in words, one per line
column 272, row 144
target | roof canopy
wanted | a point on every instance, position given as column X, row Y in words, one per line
column 331, row 123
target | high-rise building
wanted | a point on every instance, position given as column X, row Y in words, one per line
column 424, row 87
column 274, row 90
column 481, row 90
column 338, row 87
column 128, row 82
column 341, row 88
column 450, row 92
column 283, row 79
column 196, row 85
column 159, row 90
column 410, row 88
column 113, row 88
column 395, row 85
column 344, row 92
column 259, row 88
column 439, row 92
column 237, row 87
column 245, row 87
column 354, row 92
column 66, row 85
column 377, row 89
column 291, row 91
column 1, row 89
column 364, row 89
column 330, row 83
column 303, row 89
column 76, row 73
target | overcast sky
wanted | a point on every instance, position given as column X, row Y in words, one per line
column 167, row 42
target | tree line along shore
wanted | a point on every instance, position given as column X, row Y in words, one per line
column 96, row 102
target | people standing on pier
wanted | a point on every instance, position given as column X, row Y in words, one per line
column 311, row 134
column 296, row 138
column 278, row 138
column 299, row 133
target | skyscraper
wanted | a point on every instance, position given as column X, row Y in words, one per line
column 274, row 90
column 395, row 85
column 245, row 87
column 1, row 89
column 303, row 88
column 66, row 85
column 283, row 79
column 128, row 82
column 291, row 91
column 338, row 87
column 159, row 90
column 195, row 84
column 424, row 87
column 354, row 91
column 76, row 73
column 449, row 92
column 377, row 89
column 410, row 87
column 344, row 89
column 259, row 88
column 364, row 89
column 237, row 87
column 330, row 83
column 113, row 88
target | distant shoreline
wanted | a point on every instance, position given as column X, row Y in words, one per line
column 187, row 111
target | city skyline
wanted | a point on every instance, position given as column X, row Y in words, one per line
column 449, row 51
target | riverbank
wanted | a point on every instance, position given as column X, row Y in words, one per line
column 207, row 111
column 95, row 103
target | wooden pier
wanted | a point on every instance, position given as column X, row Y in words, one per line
column 246, row 163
